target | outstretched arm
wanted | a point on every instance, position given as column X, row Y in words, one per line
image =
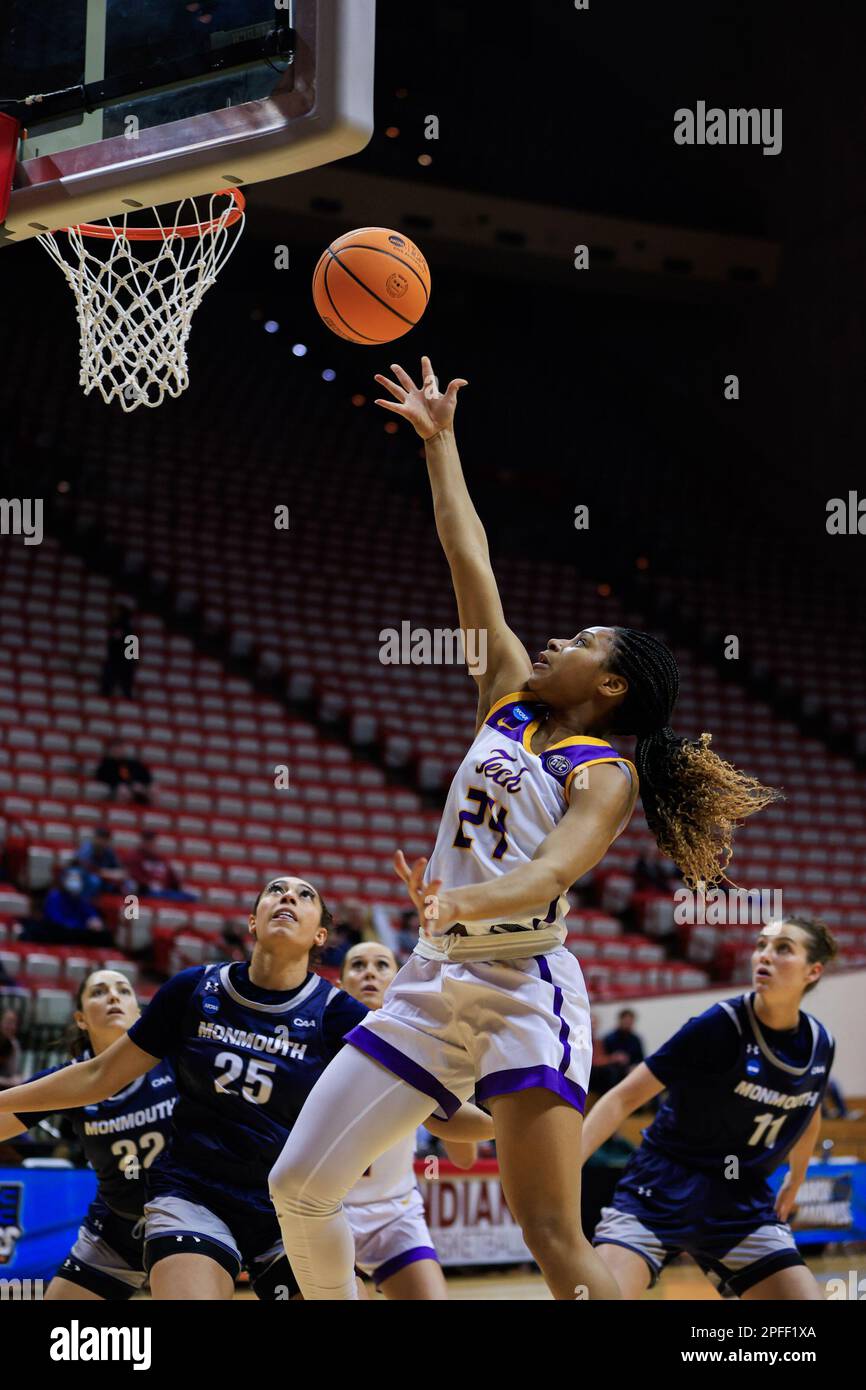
column 606, row 1116
column 85, row 1083
column 459, row 527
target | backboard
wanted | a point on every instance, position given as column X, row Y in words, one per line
column 185, row 97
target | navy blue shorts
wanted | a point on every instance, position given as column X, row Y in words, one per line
column 108, row 1255
column 661, row 1209
column 184, row 1215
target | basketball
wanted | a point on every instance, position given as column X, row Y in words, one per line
column 371, row 285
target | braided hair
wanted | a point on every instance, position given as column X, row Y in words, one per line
column 691, row 798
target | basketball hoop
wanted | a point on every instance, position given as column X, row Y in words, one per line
column 137, row 294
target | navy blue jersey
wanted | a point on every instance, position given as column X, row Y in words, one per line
column 245, row 1059
column 122, row 1136
column 738, row 1088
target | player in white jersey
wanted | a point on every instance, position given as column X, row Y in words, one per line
column 491, row 1001
column 393, row 1245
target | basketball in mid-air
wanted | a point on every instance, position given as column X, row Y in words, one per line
column 371, row 285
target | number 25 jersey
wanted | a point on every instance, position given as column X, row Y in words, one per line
column 245, row 1059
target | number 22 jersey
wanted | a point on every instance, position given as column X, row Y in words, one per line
column 122, row 1136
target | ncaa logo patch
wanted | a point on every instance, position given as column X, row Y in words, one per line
column 558, row 763
column 210, row 1006
column 11, row 1195
column 520, row 713
column 753, row 1067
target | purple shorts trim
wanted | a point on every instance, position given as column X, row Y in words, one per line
column 544, row 972
column 500, row 1083
column 393, row 1060
column 409, row 1257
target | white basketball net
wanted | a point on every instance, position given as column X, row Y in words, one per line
column 136, row 298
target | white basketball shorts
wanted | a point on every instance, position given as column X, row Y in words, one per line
column 389, row 1235
column 488, row 1027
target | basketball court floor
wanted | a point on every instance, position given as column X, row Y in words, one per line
column 683, row 1281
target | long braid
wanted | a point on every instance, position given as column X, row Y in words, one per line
column 691, row 798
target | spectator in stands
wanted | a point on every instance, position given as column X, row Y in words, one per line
column 10, row 1050
column 99, row 864
column 347, row 931
column 70, row 918
column 151, row 875
column 608, row 1068
column 834, row 1101
column 15, row 854
column 28, row 928
column 623, row 1043
column 119, row 670
column 124, row 772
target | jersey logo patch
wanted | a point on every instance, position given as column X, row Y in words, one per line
column 504, row 724
column 558, row 763
column 210, row 1006
column 304, row 1022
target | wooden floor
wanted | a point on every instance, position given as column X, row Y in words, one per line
column 682, row 1281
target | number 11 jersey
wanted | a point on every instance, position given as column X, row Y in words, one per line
column 738, row 1089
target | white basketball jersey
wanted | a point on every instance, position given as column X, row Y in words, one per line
column 390, row 1176
column 504, row 800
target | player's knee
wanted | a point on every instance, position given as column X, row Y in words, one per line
column 286, row 1178
column 295, row 1181
column 545, row 1232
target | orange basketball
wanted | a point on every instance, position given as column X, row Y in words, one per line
column 371, row 285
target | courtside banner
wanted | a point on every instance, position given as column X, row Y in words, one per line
column 831, row 1203
column 40, row 1212
column 471, row 1224
column 467, row 1215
